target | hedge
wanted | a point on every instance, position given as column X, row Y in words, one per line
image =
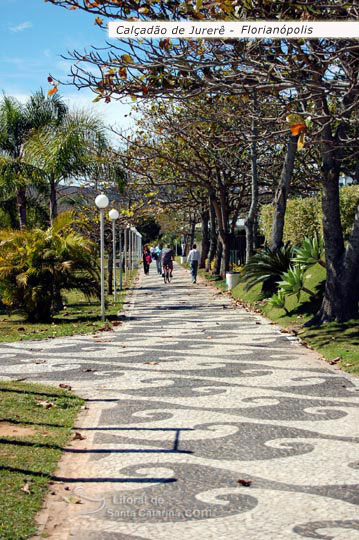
column 304, row 216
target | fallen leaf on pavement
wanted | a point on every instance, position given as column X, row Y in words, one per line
column 72, row 500
column 78, row 437
column 245, row 483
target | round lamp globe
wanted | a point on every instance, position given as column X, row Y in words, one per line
column 101, row 201
column 113, row 214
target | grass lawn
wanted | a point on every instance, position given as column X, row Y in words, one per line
column 78, row 317
column 42, row 417
column 332, row 340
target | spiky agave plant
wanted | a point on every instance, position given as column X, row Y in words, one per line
column 278, row 301
column 293, row 282
column 37, row 265
column 266, row 267
column 310, row 252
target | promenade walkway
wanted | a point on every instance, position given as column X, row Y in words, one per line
column 204, row 422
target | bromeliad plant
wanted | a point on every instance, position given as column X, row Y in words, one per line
column 36, row 266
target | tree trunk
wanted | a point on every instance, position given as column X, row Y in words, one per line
column 350, row 282
column 205, row 238
column 281, row 194
column 356, row 173
column 193, row 230
column 21, row 206
column 249, row 222
column 333, row 302
column 339, row 290
column 212, row 236
column 9, row 207
column 222, row 212
column 225, row 241
column 217, row 262
column 53, row 199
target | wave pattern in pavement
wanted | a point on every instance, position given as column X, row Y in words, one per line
column 189, row 396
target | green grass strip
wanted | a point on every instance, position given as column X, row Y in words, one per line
column 42, row 417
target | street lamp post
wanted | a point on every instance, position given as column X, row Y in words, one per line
column 113, row 215
column 101, row 202
column 120, row 246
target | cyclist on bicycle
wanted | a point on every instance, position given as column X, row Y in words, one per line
column 167, row 258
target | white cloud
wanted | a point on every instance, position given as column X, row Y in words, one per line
column 20, row 27
column 112, row 114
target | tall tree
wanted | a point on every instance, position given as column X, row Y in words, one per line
column 17, row 123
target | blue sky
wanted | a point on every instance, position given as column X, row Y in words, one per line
column 33, row 36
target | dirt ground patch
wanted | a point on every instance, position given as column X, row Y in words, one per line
column 11, row 430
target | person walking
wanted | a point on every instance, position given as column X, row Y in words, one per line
column 193, row 258
column 167, row 258
column 157, row 257
column 146, row 257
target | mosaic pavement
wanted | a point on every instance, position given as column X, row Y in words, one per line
column 187, row 397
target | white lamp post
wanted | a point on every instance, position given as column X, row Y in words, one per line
column 120, row 246
column 113, row 215
column 101, row 202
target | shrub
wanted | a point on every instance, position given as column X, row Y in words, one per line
column 36, row 266
column 304, row 216
column 266, row 267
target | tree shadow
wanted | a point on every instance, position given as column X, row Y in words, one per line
column 54, row 478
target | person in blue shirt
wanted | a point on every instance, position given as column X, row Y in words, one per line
column 157, row 258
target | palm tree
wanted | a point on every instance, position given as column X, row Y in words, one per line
column 77, row 146
column 37, row 265
column 17, row 122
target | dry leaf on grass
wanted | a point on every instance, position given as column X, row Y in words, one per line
column 105, row 328
column 66, row 386
column 26, row 488
column 45, row 404
column 335, row 360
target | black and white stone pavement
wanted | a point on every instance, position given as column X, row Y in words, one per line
column 189, row 395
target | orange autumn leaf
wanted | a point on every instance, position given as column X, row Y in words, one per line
column 52, row 91
column 297, row 128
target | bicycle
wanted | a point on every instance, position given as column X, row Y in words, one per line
column 166, row 273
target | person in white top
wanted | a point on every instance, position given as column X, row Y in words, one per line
column 193, row 258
